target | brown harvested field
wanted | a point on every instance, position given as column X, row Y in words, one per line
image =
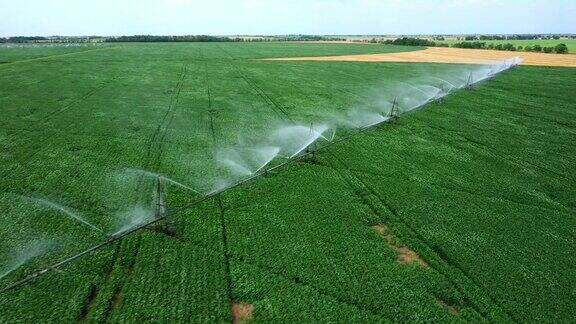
column 448, row 55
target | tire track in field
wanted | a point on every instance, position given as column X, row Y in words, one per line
column 152, row 159
column 50, row 115
column 330, row 88
column 509, row 158
column 43, row 121
column 522, row 163
column 41, row 141
column 20, row 85
column 221, row 210
column 441, row 260
column 316, row 80
column 276, row 107
column 464, row 191
column 91, row 298
column 561, row 207
column 296, row 280
column 126, row 271
column 155, row 147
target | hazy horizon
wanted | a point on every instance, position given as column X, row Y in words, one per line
column 275, row 17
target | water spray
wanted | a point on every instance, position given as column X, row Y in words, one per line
column 292, row 134
column 161, row 177
column 63, row 210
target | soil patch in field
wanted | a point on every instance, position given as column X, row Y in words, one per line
column 452, row 309
column 404, row 254
column 448, row 55
column 241, row 312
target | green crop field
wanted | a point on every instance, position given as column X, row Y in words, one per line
column 461, row 210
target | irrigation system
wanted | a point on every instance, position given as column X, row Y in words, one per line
column 310, row 150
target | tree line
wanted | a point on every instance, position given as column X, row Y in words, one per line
column 51, row 39
column 22, row 39
column 152, row 38
column 410, row 41
column 558, row 49
column 513, row 37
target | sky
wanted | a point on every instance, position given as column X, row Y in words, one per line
column 281, row 17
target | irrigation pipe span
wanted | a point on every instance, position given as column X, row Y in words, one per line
column 155, row 220
column 196, row 202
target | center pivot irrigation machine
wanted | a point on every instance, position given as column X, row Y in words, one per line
column 297, row 142
column 165, row 224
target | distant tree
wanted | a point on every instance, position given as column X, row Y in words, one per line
column 470, row 38
column 508, row 47
column 409, row 41
column 556, row 37
column 548, row 49
column 477, row 45
column 561, row 49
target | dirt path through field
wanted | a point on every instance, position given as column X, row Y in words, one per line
column 448, row 55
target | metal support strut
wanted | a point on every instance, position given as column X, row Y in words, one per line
column 312, row 149
column 469, row 82
column 166, row 224
column 394, row 113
